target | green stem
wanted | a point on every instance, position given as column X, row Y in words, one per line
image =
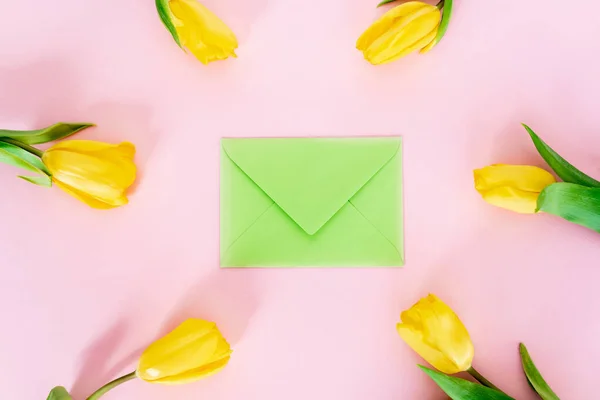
column 440, row 5
column 24, row 146
column 482, row 379
column 111, row 385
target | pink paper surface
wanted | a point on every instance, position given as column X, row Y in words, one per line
column 83, row 291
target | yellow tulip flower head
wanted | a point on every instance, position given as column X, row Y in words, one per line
column 514, row 187
column 403, row 29
column 436, row 333
column 94, row 172
column 199, row 30
column 194, row 350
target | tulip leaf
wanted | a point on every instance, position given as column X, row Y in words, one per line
column 26, row 161
column 162, row 6
column 575, row 203
column 59, row 393
column 49, row 134
column 565, row 170
column 38, row 180
column 384, row 2
column 461, row 389
column 534, row 377
column 25, row 155
column 446, row 15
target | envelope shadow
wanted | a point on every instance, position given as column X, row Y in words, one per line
column 227, row 297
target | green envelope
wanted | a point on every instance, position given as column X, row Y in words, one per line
column 289, row 202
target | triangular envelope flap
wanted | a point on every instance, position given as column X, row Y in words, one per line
column 311, row 178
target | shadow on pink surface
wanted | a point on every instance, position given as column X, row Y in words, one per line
column 239, row 15
column 227, row 297
column 95, row 369
column 63, row 99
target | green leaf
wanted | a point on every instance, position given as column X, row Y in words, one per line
column 562, row 167
column 461, row 389
column 59, row 393
column 534, row 377
column 49, row 134
column 162, row 6
column 446, row 15
column 15, row 156
column 575, row 203
column 384, row 2
column 25, row 155
column 38, row 180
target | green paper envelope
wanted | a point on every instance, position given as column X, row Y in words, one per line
column 311, row 202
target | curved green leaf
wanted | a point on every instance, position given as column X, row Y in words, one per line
column 575, row 203
column 39, row 180
column 461, row 389
column 49, row 134
column 565, row 170
column 534, row 377
column 446, row 15
column 25, row 155
column 15, row 156
column 59, row 393
column 162, row 6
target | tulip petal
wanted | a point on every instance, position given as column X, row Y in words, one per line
column 92, row 201
column 429, row 46
column 195, row 374
column 406, row 36
column 202, row 32
column 434, row 357
column 391, row 18
column 94, row 172
column 411, row 48
column 514, row 187
column 512, row 199
column 193, row 350
column 436, row 333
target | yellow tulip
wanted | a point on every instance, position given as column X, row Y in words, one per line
column 201, row 31
column 514, row 187
column 408, row 27
column 94, row 172
column 194, row 350
column 436, row 333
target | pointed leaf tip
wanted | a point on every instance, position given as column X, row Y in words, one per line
column 565, row 170
column 534, row 377
column 49, row 134
column 59, row 393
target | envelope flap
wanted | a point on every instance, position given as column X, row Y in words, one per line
column 311, row 178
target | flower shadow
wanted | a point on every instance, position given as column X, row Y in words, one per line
column 23, row 105
column 96, row 369
column 241, row 15
column 227, row 297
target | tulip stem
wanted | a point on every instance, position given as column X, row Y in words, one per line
column 482, row 379
column 24, row 146
column 111, row 385
column 440, row 5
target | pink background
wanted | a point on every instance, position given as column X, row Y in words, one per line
column 83, row 291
